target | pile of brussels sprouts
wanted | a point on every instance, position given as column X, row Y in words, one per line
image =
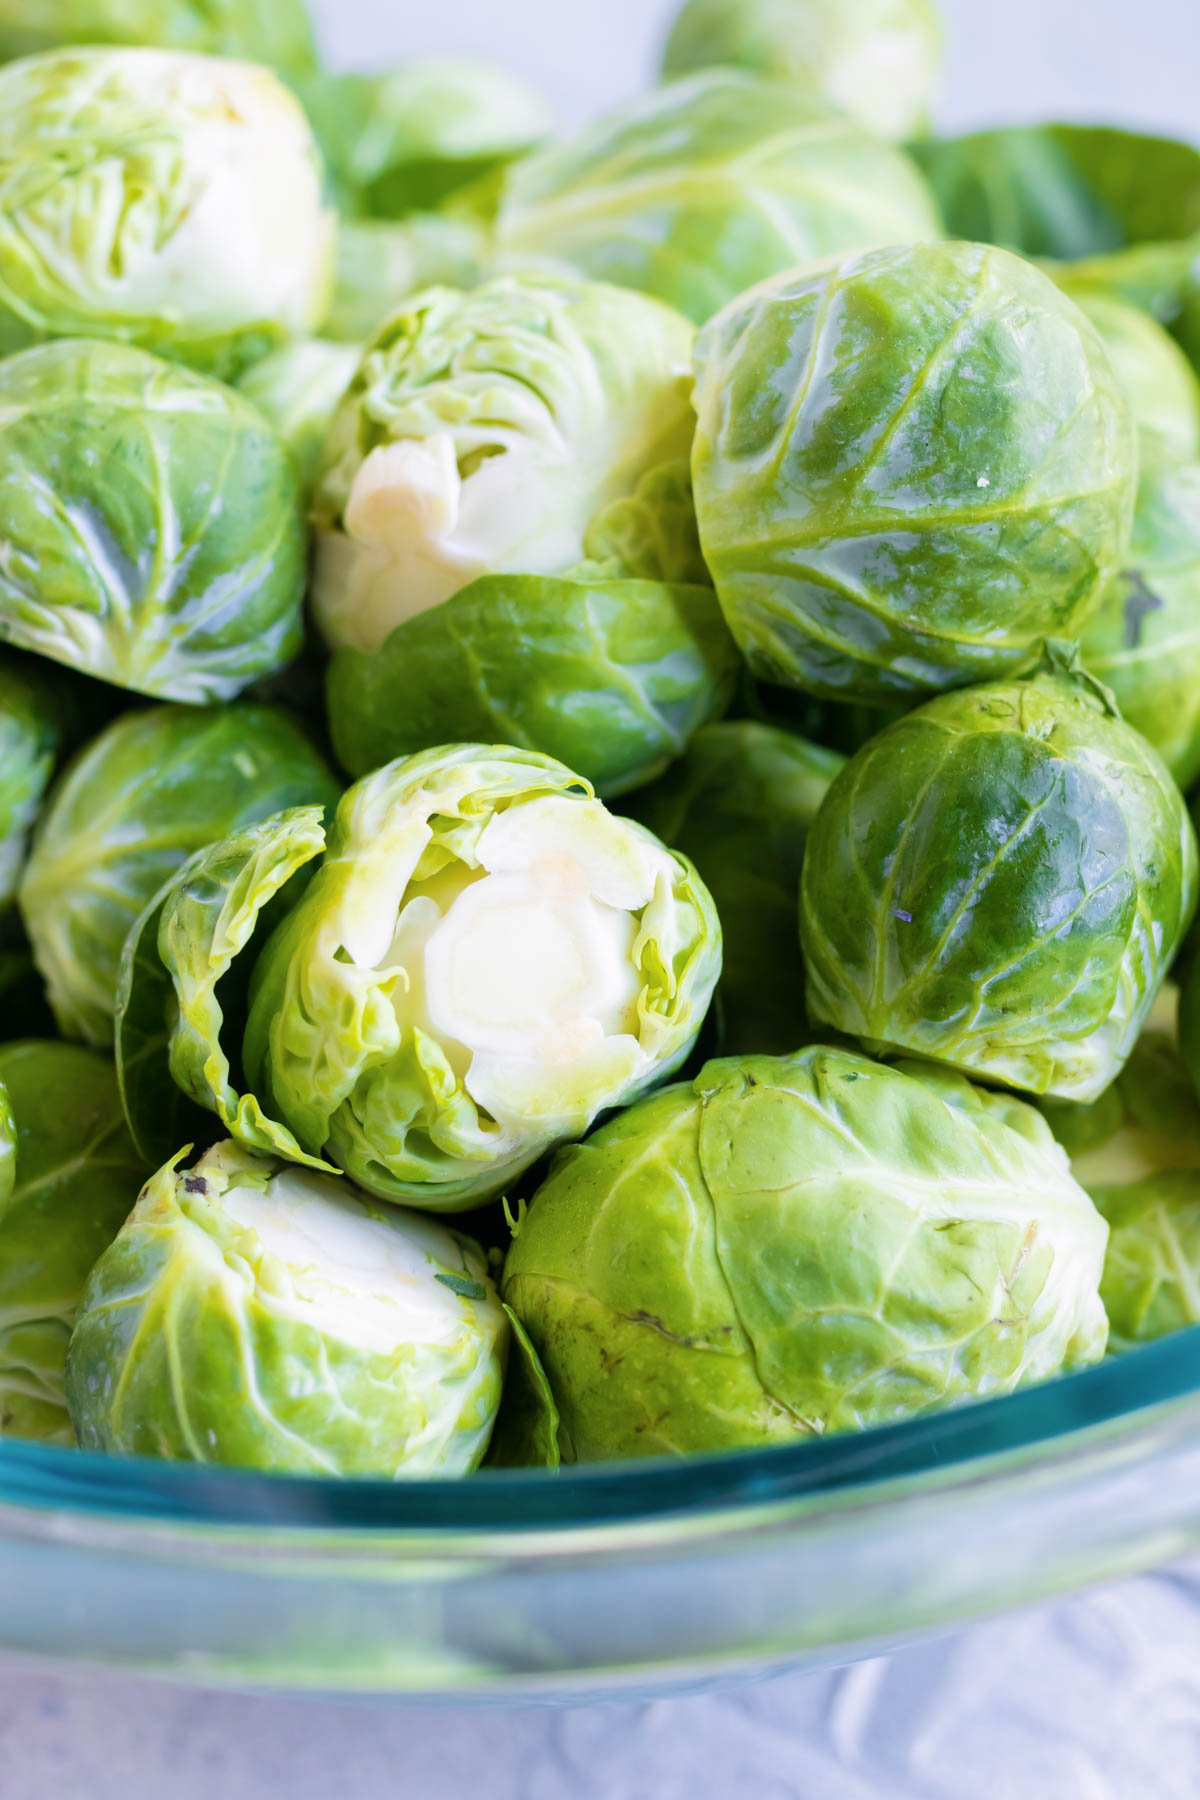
column 496, row 621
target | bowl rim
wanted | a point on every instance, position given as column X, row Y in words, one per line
column 1120, row 1399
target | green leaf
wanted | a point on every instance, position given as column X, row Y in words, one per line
column 610, row 676
column 708, row 186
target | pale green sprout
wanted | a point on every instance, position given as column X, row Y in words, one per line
column 68, row 1177
column 482, row 435
column 1155, row 376
column 875, row 59
column 1144, row 642
column 143, row 796
column 712, row 184
column 482, row 960
column 153, row 536
column 166, row 200
column 796, row 1245
column 1137, row 1152
column 255, row 1314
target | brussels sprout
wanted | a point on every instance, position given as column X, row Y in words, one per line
column 482, row 435
column 1154, row 374
column 611, row 676
column 1122, row 208
column 696, row 192
column 910, row 469
column 1137, row 1152
column 152, row 531
column 740, row 804
column 299, row 387
column 802, row 1244
column 165, row 200
column 875, row 59
column 68, row 1177
column 149, row 792
column 1000, row 882
column 31, row 735
column 278, row 32
column 261, row 1315
column 406, row 140
column 380, row 263
column 1144, row 643
column 484, row 960
column 185, row 971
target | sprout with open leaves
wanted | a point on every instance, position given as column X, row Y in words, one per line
column 265, row 1316
column 482, row 434
column 482, row 960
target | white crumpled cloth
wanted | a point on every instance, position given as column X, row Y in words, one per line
column 1094, row 1698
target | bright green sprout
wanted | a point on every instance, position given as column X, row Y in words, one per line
column 143, row 797
column 911, row 468
column 796, row 1245
column 264, row 1316
column 1000, row 881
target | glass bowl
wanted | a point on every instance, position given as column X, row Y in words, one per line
column 635, row 1576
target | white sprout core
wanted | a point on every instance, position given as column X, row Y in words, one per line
column 416, row 530
column 368, row 1280
column 524, row 968
column 255, row 239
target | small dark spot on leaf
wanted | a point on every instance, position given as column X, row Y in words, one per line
column 1140, row 603
column 463, row 1286
column 195, row 1184
column 656, row 1324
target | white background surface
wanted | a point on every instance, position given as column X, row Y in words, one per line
column 1094, row 1699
